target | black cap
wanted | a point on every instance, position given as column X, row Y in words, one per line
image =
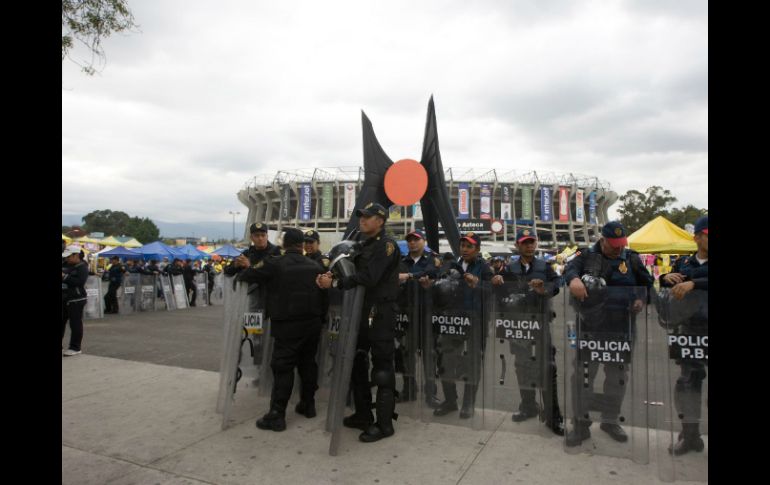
column 416, row 233
column 525, row 233
column 615, row 234
column 292, row 237
column 702, row 225
column 311, row 235
column 257, row 227
column 373, row 209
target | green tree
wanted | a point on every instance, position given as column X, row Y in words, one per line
column 90, row 21
column 686, row 215
column 637, row 209
column 117, row 223
column 144, row 230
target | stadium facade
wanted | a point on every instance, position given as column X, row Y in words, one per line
column 565, row 209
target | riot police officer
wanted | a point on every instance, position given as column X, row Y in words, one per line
column 116, row 279
column 473, row 270
column 260, row 248
column 74, row 274
column 611, row 263
column 377, row 270
column 294, row 308
column 532, row 273
column 422, row 265
column 690, row 273
column 311, row 246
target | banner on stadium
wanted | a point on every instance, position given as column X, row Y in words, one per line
column 417, row 211
column 327, row 195
column 486, row 201
column 285, row 200
column 395, row 213
column 505, row 204
column 350, row 199
column 526, row 203
column 592, row 208
column 563, row 205
column 463, row 201
column 546, row 206
column 304, row 202
column 579, row 209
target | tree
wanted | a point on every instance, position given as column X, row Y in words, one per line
column 637, row 209
column 686, row 215
column 119, row 223
column 89, row 21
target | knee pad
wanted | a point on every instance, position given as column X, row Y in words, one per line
column 384, row 378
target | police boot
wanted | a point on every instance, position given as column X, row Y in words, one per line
column 430, row 395
column 363, row 417
column 306, row 408
column 274, row 420
column 579, row 433
column 450, row 399
column 528, row 408
column 383, row 428
column 689, row 440
column 615, row 431
column 469, row 401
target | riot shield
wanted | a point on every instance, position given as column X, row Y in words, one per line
column 127, row 294
column 327, row 347
column 202, row 285
column 236, row 363
column 608, row 330
column 261, row 340
column 352, row 304
column 680, row 346
column 180, row 292
column 408, row 378
column 148, row 293
column 518, row 389
column 168, row 292
column 453, row 325
column 218, row 289
column 95, row 303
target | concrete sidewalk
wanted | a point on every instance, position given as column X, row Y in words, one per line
column 127, row 422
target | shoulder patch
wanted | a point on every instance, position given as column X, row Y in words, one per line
column 325, row 262
column 389, row 248
column 259, row 265
column 437, row 262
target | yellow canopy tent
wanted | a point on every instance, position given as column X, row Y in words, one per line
column 86, row 239
column 110, row 241
column 132, row 243
column 66, row 239
column 661, row 236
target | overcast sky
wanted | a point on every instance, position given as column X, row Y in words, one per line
column 209, row 94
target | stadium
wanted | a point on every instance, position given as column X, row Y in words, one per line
column 565, row 209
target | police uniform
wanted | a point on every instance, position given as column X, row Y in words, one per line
column 294, row 308
column 688, row 389
column 116, row 279
column 73, row 298
column 456, row 362
column 426, row 265
column 527, row 370
column 255, row 255
column 626, row 270
column 376, row 270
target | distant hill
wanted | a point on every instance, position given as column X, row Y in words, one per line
column 212, row 230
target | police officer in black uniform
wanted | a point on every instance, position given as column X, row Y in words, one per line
column 260, row 248
column 294, row 309
column 690, row 273
column 311, row 246
column 74, row 274
column 115, row 275
column 188, row 275
column 537, row 279
column 422, row 265
column 377, row 270
column 609, row 260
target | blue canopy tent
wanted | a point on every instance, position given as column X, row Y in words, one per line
column 228, row 251
column 121, row 252
column 156, row 250
column 188, row 251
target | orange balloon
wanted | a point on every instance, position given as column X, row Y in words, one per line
column 406, row 182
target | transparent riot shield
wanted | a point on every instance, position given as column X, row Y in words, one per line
column 180, row 293
column 201, row 282
column 407, row 358
column 148, row 293
column 218, row 290
column 518, row 388
column 352, row 303
column 236, row 362
column 128, row 294
column 610, row 332
column 327, row 347
column 680, row 353
column 168, row 292
column 454, row 326
column 95, row 303
column 260, row 373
